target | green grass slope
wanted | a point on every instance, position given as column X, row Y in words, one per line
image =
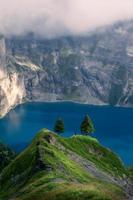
column 6, row 156
column 57, row 168
column 130, row 170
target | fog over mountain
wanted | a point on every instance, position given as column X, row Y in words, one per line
column 33, row 68
column 52, row 18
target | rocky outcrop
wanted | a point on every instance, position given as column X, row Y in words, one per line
column 94, row 69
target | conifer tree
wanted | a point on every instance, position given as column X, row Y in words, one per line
column 87, row 126
column 59, row 126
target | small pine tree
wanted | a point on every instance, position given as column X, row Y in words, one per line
column 87, row 126
column 59, row 126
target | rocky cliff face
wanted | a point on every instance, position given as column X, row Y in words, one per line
column 11, row 84
column 95, row 69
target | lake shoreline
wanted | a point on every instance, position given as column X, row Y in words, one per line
column 64, row 101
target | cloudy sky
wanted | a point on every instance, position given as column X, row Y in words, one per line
column 51, row 18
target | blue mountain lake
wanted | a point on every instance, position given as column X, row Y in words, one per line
column 114, row 126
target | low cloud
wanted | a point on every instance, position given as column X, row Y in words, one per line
column 52, row 18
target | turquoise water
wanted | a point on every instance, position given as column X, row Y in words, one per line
column 114, row 126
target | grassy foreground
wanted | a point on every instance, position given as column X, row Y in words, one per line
column 57, row 168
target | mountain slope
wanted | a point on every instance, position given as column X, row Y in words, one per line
column 37, row 69
column 6, row 156
column 53, row 167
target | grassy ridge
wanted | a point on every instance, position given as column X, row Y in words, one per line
column 51, row 168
